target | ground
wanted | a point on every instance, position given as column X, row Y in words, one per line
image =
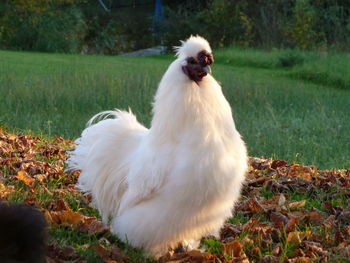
column 287, row 212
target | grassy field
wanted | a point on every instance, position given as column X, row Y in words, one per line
column 299, row 113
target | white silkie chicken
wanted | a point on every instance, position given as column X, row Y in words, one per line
column 177, row 181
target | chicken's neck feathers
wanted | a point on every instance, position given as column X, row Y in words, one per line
column 182, row 107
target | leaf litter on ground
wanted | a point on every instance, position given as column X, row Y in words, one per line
column 287, row 212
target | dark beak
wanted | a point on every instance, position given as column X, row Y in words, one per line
column 207, row 69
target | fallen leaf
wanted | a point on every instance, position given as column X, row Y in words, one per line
column 291, row 224
column 195, row 256
column 232, row 249
column 251, row 205
column 278, row 163
column 230, row 230
column 40, row 177
column 269, row 259
column 299, row 260
column 12, row 137
column 65, row 218
column 101, row 251
column 294, row 238
column 276, row 251
column 250, row 224
column 315, row 216
column 58, row 253
column 329, row 223
column 281, row 200
column 93, row 228
column 22, row 176
column 70, row 218
column 296, row 205
column 59, row 205
column 5, row 190
column 278, row 219
column 345, row 251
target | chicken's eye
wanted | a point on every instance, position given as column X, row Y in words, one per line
column 191, row 61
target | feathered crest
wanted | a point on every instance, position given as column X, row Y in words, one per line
column 192, row 46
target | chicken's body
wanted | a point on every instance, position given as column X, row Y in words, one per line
column 175, row 182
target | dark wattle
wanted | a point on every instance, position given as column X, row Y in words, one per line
column 194, row 72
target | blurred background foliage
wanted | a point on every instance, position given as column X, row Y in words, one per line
column 83, row 26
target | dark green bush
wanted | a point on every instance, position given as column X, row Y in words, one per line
column 119, row 31
column 83, row 26
column 180, row 24
column 45, row 29
column 290, row 58
column 302, row 24
column 74, row 26
column 60, row 31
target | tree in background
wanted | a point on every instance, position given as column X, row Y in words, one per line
column 303, row 24
column 84, row 26
column 53, row 26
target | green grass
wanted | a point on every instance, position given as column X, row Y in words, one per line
column 298, row 113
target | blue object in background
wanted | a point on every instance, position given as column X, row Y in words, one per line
column 158, row 16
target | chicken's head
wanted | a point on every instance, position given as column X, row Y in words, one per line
column 196, row 57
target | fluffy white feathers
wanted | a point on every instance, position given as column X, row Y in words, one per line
column 192, row 46
column 175, row 182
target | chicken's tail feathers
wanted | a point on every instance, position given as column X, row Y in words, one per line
column 102, row 155
column 126, row 115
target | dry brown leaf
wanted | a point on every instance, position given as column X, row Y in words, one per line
column 257, row 181
column 291, row 224
column 345, row 251
column 94, row 227
column 5, row 190
column 102, row 252
column 278, row 163
column 41, row 177
column 276, row 251
column 191, row 256
column 250, row 224
column 299, row 260
column 269, row 259
column 22, row 176
column 315, row 216
column 315, row 247
column 12, row 137
column 116, row 253
column 281, row 200
column 233, row 249
column 230, row 230
column 297, row 236
column 294, row 238
column 71, row 218
column 65, row 218
column 246, row 241
column 344, row 216
column 329, row 222
column 242, row 259
column 311, row 254
column 278, row 219
column 59, row 205
column 251, row 205
column 60, row 253
column 296, row 205
column 32, row 201
column 256, row 252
